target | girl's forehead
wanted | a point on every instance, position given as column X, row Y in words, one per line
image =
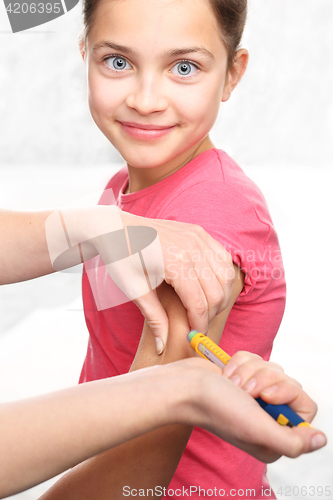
column 156, row 24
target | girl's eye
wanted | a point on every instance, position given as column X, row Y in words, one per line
column 119, row 63
column 184, row 68
column 116, row 63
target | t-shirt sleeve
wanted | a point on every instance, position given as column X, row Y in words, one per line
column 240, row 222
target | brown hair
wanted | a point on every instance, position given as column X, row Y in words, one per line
column 230, row 15
column 231, row 18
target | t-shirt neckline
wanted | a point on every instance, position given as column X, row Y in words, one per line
column 174, row 177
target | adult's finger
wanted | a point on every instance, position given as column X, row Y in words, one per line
column 203, row 285
column 215, row 271
column 200, row 295
column 291, row 393
column 292, row 442
column 156, row 317
column 222, row 266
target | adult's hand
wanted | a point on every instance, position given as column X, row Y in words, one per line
column 196, row 266
column 239, row 419
column 139, row 253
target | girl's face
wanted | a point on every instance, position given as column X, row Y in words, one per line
column 158, row 64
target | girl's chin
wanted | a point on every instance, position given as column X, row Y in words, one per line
column 136, row 164
column 146, row 160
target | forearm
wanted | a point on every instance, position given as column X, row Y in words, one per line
column 23, row 248
column 44, row 436
column 40, row 242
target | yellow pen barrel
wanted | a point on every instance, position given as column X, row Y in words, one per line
column 206, row 353
column 208, row 349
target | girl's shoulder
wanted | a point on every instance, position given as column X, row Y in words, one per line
column 215, row 181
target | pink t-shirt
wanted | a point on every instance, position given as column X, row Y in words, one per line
column 213, row 192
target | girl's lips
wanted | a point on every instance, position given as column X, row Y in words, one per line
column 148, row 133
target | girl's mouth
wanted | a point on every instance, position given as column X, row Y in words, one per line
column 145, row 132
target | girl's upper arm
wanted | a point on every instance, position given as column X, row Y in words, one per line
column 177, row 346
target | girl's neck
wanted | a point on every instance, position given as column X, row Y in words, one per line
column 141, row 178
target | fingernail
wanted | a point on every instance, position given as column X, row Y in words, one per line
column 229, row 370
column 318, row 441
column 159, row 345
column 250, row 385
column 235, row 379
column 269, row 390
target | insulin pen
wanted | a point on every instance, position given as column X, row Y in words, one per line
column 283, row 414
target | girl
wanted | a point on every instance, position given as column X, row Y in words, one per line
column 157, row 72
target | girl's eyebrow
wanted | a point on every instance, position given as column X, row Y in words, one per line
column 175, row 52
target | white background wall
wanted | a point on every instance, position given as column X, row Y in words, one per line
column 278, row 126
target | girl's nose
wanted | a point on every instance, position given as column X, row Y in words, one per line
column 146, row 96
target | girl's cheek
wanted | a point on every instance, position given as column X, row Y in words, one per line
column 101, row 96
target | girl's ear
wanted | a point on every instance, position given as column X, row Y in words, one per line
column 82, row 49
column 235, row 73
